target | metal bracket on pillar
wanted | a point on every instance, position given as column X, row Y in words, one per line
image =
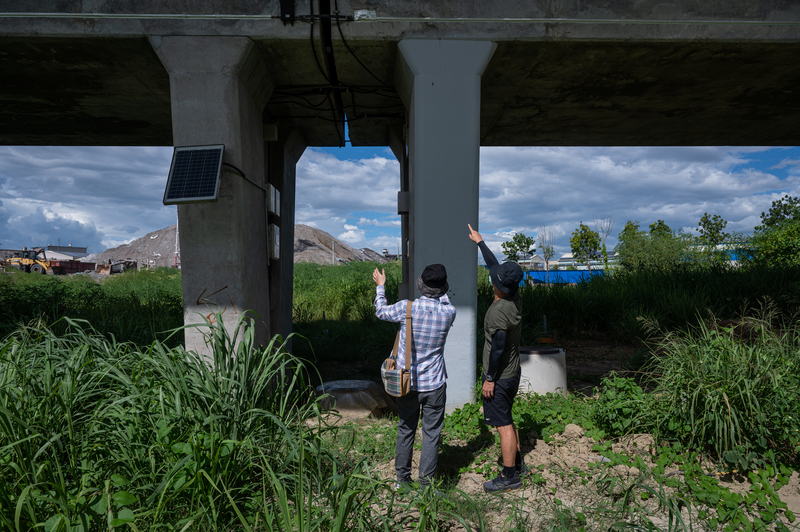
column 403, row 199
column 287, row 11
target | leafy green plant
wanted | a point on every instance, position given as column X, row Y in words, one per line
column 620, row 406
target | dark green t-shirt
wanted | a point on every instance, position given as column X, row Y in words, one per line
column 504, row 315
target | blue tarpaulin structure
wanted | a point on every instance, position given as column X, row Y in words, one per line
column 560, row 276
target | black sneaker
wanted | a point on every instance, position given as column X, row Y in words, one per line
column 523, row 470
column 501, row 484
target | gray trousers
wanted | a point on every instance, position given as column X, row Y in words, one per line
column 408, row 409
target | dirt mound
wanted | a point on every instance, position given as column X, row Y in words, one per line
column 310, row 245
column 315, row 245
column 156, row 249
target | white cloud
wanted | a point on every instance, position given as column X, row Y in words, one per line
column 82, row 194
column 107, row 196
column 380, row 223
column 329, row 183
column 353, row 236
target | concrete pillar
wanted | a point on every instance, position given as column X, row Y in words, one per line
column 218, row 89
column 440, row 83
column 397, row 142
column 282, row 156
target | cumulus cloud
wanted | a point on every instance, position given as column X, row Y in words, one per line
column 102, row 197
column 380, row 223
column 523, row 188
column 353, row 236
column 96, row 197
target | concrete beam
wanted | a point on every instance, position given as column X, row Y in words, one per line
column 441, row 85
column 218, row 89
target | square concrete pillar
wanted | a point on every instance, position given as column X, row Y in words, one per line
column 440, row 83
column 282, row 156
column 218, row 89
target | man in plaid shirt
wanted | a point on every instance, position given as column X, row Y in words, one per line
column 432, row 315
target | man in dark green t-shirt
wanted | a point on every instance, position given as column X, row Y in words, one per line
column 501, row 371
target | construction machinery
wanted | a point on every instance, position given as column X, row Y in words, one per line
column 35, row 261
column 30, row 260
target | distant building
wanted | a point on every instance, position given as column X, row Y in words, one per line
column 597, row 263
column 65, row 252
column 532, row 263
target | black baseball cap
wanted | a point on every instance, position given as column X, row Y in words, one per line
column 506, row 277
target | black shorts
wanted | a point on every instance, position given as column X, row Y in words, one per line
column 497, row 410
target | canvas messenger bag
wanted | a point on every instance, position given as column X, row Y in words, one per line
column 397, row 381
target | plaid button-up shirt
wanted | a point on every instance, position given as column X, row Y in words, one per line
column 431, row 320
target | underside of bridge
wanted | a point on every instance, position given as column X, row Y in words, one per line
column 114, row 91
column 433, row 80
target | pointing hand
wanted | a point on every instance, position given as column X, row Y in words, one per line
column 474, row 235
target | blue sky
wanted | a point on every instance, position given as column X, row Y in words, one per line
column 105, row 196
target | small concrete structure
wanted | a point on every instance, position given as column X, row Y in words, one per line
column 544, row 370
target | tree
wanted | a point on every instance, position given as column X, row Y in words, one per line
column 585, row 244
column 518, row 245
column 660, row 248
column 546, row 241
column 785, row 209
column 711, row 236
column 778, row 245
column 660, row 228
column 604, row 224
column 777, row 240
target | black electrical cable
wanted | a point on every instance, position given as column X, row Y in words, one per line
column 353, row 119
column 238, row 171
column 330, row 66
column 344, row 41
column 314, row 48
column 346, row 106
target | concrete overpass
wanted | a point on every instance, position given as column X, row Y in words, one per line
column 434, row 80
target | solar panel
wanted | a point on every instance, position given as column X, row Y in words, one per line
column 194, row 174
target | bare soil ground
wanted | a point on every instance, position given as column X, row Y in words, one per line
column 576, row 478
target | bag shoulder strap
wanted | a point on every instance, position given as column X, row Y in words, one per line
column 396, row 345
column 409, row 335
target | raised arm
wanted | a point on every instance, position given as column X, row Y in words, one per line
column 488, row 256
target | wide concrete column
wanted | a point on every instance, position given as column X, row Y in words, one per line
column 440, row 83
column 282, row 156
column 218, row 89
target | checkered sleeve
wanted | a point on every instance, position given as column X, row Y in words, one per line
column 394, row 313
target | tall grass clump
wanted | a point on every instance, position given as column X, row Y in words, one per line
column 96, row 433
column 733, row 390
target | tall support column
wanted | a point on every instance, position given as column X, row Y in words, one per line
column 397, row 142
column 218, row 89
column 440, row 82
column 282, row 156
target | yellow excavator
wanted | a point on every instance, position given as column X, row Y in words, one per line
column 30, row 260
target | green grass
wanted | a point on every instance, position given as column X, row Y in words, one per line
column 135, row 306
